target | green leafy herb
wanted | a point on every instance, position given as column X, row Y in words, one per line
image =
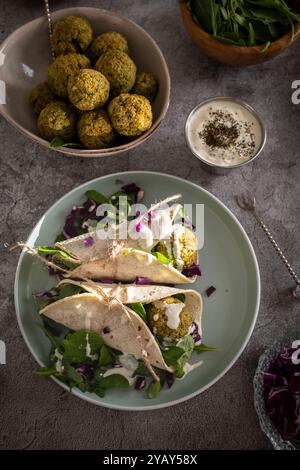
column 44, row 372
column 172, row 355
column 244, row 22
column 153, row 389
column 49, row 250
column 105, row 357
column 76, row 345
column 54, row 342
column 97, row 197
column 58, row 142
column 201, row 348
column 142, row 370
column 162, row 258
column 140, row 310
column 72, row 375
column 180, row 297
column 60, row 238
column 187, row 345
column 114, row 381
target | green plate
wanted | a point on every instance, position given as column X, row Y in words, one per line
column 227, row 260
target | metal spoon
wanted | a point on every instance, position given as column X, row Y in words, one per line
column 47, row 7
column 247, row 201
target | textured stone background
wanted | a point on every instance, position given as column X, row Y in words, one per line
column 39, row 415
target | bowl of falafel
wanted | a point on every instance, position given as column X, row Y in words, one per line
column 105, row 91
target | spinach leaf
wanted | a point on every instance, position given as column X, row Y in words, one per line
column 54, row 342
column 204, row 10
column 201, row 348
column 68, row 290
column 97, row 197
column 44, row 372
column 172, row 355
column 75, row 346
column 180, row 297
column 73, row 377
column 140, row 310
column 58, row 142
column 114, row 381
column 244, row 22
column 153, row 389
column 187, row 345
column 60, row 238
column 105, row 357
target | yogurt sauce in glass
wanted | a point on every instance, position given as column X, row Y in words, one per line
column 224, row 132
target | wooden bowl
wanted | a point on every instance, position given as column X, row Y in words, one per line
column 233, row 55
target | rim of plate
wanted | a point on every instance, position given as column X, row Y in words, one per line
column 92, row 153
column 209, row 384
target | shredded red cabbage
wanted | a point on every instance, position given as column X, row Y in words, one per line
column 140, row 280
column 88, row 241
column 170, row 379
column 140, row 383
column 85, row 370
column 132, row 188
column 138, row 227
column 195, row 333
column 193, row 270
column 282, row 395
column 106, row 280
column 210, row 291
column 75, row 221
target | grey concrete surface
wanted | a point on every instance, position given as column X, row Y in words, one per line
column 38, row 415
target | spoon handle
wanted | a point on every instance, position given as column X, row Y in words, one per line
column 278, row 249
column 48, row 14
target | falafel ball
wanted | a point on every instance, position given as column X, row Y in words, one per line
column 40, row 96
column 119, row 69
column 57, row 120
column 95, row 130
column 105, row 42
column 62, row 68
column 184, row 247
column 145, row 85
column 88, row 89
column 131, row 115
column 169, row 319
column 71, row 34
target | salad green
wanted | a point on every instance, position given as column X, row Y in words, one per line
column 81, row 359
column 244, row 22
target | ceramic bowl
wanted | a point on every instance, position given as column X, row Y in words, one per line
column 278, row 442
column 24, row 56
column 230, row 54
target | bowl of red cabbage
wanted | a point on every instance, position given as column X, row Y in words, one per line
column 277, row 392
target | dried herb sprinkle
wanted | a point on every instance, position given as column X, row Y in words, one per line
column 222, row 132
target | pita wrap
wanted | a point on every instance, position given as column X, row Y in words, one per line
column 103, row 309
column 126, row 253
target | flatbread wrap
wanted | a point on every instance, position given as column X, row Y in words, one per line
column 110, row 310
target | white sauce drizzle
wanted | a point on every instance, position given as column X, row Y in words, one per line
column 58, row 365
column 129, row 366
column 88, row 349
column 172, row 311
column 178, row 231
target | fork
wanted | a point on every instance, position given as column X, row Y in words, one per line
column 247, row 202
